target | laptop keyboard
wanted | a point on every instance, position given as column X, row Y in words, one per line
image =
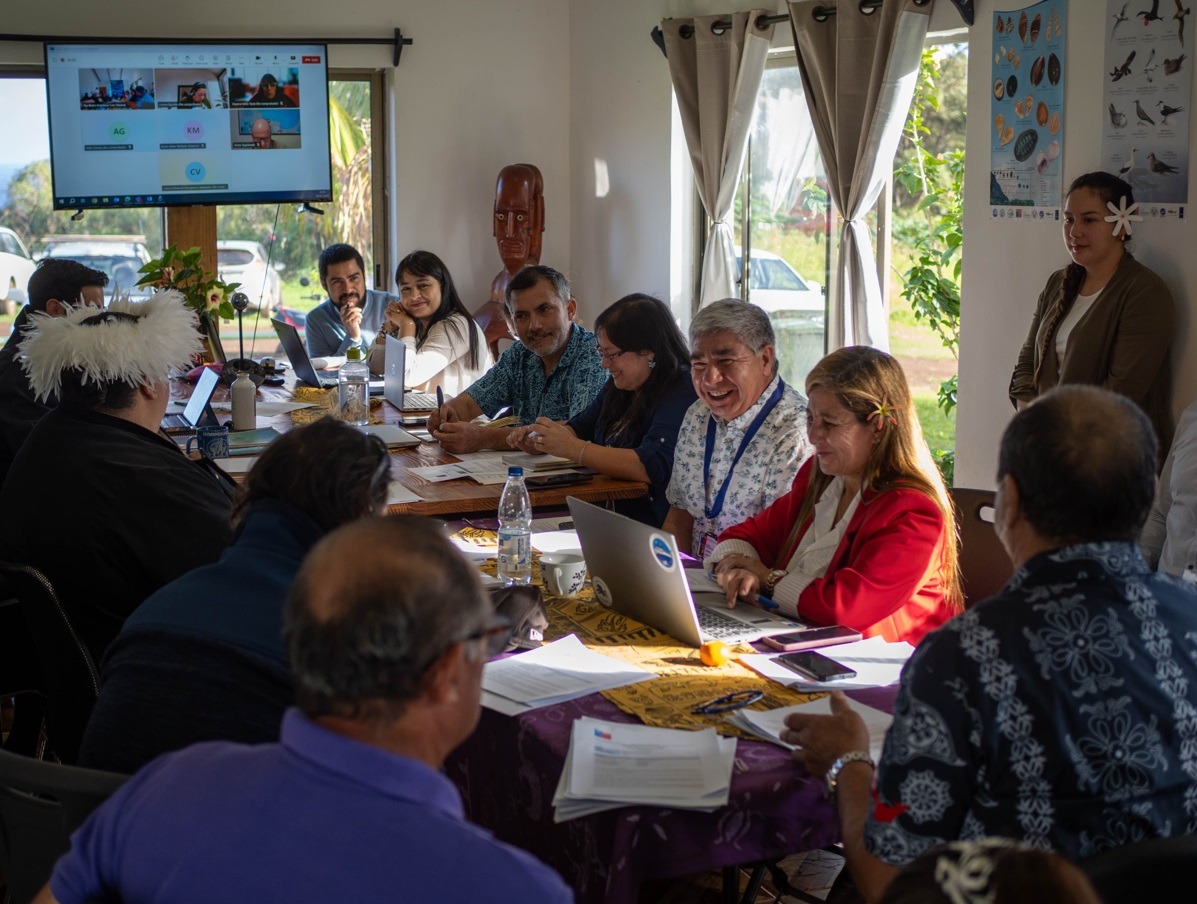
column 418, row 401
column 719, row 626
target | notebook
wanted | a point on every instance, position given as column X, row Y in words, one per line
column 198, row 411
column 393, row 373
column 297, row 354
column 636, row 569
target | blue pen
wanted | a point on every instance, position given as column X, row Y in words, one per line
column 440, row 399
column 764, row 601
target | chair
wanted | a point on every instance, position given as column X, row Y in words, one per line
column 40, row 805
column 69, row 676
column 984, row 565
column 1155, row 870
column 20, row 676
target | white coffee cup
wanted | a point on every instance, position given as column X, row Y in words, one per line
column 564, row 573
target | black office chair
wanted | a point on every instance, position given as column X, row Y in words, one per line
column 40, row 805
column 69, row 675
column 1155, row 870
column 984, row 565
column 20, row 677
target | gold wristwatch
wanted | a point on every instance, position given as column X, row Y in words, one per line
column 771, row 580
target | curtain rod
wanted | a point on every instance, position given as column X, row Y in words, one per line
column 398, row 41
column 819, row 14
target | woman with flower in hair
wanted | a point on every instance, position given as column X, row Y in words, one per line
column 865, row 537
column 1105, row 319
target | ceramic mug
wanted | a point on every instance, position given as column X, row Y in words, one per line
column 213, row 442
column 564, row 573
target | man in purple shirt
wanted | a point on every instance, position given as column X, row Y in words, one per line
column 387, row 629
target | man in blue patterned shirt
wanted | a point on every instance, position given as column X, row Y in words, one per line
column 553, row 371
column 1062, row 712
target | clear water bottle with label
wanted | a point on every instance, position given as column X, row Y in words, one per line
column 353, row 381
column 515, row 530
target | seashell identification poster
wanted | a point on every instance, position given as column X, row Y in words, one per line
column 1147, row 80
column 1027, row 101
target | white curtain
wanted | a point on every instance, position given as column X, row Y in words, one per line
column 859, row 71
column 716, row 76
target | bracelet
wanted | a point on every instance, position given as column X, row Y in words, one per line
column 833, row 774
column 582, row 453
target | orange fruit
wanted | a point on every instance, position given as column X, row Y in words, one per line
column 715, row 652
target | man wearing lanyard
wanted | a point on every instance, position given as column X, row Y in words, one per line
column 743, row 441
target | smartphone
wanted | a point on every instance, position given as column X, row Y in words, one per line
column 548, row 481
column 814, row 666
column 414, row 421
column 810, row 638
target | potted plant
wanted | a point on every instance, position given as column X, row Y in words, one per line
column 205, row 293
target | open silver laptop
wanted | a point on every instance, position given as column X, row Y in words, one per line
column 637, row 570
column 297, row 354
column 393, row 371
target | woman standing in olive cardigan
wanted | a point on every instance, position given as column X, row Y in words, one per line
column 1105, row 319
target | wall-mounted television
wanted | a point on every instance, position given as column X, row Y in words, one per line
column 148, row 125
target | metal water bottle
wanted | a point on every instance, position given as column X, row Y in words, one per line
column 245, row 402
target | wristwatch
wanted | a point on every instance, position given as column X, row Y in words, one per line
column 771, row 580
column 833, row 774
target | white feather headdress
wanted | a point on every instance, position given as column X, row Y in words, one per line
column 162, row 337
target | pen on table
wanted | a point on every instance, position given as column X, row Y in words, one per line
column 762, row 600
column 440, row 398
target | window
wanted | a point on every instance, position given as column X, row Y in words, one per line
column 786, row 221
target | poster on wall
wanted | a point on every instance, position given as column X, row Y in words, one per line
column 1027, row 118
column 1148, row 80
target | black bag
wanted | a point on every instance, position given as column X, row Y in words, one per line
column 523, row 606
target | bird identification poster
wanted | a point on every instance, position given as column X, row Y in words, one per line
column 1027, row 122
column 1148, row 80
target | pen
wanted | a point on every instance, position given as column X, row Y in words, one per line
column 764, row 602
column 440, row 398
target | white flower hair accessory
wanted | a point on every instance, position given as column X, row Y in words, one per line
column 1123, row 215
column 160, row 334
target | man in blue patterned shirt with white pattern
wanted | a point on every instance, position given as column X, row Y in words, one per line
column 742, row 443
column 553, row 371
column 1063, row 711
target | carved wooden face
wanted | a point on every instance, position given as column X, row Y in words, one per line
column 519, row 218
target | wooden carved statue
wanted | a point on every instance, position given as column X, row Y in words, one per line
column 518, row 231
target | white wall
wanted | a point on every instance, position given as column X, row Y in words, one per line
column 1006, row 263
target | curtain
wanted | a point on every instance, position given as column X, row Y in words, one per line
column 716, row 76
column 859, row 71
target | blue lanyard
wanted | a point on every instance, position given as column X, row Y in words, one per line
column 714, row 509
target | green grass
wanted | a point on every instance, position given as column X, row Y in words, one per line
column 939, row 429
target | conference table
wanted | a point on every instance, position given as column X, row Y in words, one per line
column 452, row 498
column 508, row 771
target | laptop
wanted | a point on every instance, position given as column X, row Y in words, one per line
column 297, row 354
column 637, row 570
column 198, row 411
column 393, row 371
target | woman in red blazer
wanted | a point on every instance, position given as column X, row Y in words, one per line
column 865, row 537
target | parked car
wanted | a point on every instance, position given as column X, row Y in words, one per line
column 245, row 263
column 121, row 257
column 775, row 286
column 16, row 266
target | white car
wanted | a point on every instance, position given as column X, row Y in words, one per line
column 245, row 263
column 16, row 266
column 775, row 286
column 121, row 258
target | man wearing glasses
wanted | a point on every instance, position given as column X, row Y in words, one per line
column 552, row 372
column 351, row 803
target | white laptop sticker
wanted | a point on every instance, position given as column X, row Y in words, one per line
column 602, row 592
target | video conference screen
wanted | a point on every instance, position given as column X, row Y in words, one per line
column 141, row 125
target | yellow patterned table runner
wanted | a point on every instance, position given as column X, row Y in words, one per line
column 683, row 682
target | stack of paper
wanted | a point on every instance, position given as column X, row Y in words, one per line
column 559, row 671
column 394, row 437
column 531, row 461
column 768, row 724
column 876, row 663
column 613, row 764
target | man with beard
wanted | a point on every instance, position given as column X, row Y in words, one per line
column 553, row 371
column 352, row 314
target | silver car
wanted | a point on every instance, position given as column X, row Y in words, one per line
column 245, row 263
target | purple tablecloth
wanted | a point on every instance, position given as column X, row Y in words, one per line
column 508, row 771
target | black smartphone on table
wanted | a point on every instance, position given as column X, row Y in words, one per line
column 814, row 666
column 548, row 481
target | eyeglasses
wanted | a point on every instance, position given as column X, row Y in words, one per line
column 727, row 703
column 608, row 356
column 496, row 634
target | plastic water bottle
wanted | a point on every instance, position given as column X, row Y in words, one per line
column 515, row 530
column 245, row 402
column 353, row 382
